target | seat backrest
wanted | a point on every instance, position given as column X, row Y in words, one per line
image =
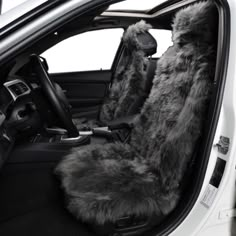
column 171, row 119
column 130, row 77
column 150, row 70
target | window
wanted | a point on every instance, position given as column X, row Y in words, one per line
column 94, row 50
column 136, row 5
column 164, row 40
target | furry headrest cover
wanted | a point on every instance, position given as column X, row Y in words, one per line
column 195, row 22
column 137, row 37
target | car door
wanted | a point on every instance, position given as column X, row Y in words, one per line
column 82, row 66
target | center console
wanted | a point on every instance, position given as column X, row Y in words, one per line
column 59, row 136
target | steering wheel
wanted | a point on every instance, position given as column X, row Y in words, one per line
column 55, row 96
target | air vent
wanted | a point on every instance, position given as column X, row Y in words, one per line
column 18, row 88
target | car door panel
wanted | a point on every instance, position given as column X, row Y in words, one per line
column 78, row 70
column 84, row 90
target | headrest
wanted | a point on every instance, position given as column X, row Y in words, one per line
column 137, row 37
column 197, row 22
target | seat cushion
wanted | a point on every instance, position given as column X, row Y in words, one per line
column 105, row 182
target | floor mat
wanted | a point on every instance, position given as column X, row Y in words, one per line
column 31, row 203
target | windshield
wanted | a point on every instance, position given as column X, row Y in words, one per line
column 12, row 11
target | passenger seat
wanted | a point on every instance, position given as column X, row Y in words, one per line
column 131, row 84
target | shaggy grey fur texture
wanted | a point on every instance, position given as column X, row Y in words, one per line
column 129, row 80
column 106, row 182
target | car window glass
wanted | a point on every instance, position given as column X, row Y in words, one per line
column 136, row 5
column 94, row 50
column 164, row 40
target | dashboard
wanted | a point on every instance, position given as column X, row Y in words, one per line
column 25, row 116
column 29, row 125
column 18, row 115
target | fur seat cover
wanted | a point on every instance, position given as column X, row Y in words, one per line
column 129, row 80
column 105, row 182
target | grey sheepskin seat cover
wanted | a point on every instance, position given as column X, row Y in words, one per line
column 106, row 182
column 129, row 80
